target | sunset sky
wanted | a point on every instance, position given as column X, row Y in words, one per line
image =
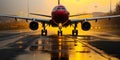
column 19, row 7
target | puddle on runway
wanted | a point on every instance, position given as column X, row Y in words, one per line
column 60, row 48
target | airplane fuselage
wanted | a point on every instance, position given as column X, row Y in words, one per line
column 60, row 16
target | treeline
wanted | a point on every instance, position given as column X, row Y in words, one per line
column 116, row 12
column 115, row 22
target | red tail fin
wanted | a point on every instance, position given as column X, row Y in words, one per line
column 58, row 2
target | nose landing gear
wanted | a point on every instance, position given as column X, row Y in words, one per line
column 60, row 31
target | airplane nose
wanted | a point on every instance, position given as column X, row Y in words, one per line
column 60, row 12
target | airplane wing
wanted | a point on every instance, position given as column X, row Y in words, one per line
column 27, row 18
column 40, row 15
column 79, row 14
column 94, row 18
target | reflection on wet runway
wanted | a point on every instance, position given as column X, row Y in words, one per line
column 35, row 47
column 64, row 48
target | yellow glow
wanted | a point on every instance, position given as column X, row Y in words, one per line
column 77, row 55
column 82, row 6
column 60, row 25
column 73, row 6
column 76, row 7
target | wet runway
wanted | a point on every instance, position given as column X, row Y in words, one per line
column 17, row 45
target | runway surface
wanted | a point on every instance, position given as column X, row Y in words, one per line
column 29, row 45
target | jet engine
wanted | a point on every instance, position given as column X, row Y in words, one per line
column 86, row 26
column 33, row 25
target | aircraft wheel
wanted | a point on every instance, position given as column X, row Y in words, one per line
column 44, row 32
column 59, row 33
column 75, row 32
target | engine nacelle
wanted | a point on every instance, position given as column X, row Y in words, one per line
column 86, row 26
column 33, row 25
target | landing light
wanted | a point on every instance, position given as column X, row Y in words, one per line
column 60, row 25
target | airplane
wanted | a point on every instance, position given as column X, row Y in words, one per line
column 60, row 18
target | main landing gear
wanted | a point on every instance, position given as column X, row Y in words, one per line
column 44, row 31
column 60, row 33
column 75, row 32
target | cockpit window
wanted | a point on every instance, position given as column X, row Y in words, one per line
column 55, row 9
column 63, row 8
column 59, row 8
